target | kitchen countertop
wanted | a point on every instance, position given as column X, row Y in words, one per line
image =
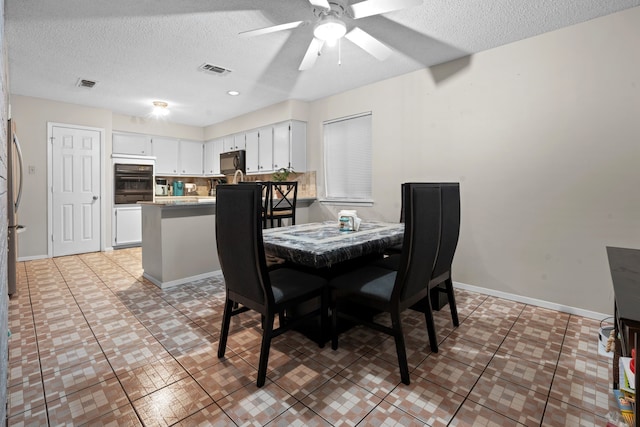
column 182, row 201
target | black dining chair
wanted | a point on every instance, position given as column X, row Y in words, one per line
column 266, row 196
column 283, row 197
column 248, row 284
column 393, row 291
column 449, row 233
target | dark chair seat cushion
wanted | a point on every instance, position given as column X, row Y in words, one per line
column 289, row 284
column 370, row 282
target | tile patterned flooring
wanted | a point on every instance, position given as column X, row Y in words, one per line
column 94, row 343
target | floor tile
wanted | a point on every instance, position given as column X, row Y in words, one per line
column 341, row 402
column 522, row 372
column 448, row 373
column 472, row 414
column 151, row 377
column 256, row 407
column 430, row 403
column 87, row 404
column 509, row 399
column 385, row 414
column 300, row 375
column 172, row 403
column 561, row 414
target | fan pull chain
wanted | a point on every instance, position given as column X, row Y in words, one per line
column 339, row 52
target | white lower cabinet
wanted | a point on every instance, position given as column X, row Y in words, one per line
column 127, row 225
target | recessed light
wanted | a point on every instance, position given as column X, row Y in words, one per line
column 233, row 93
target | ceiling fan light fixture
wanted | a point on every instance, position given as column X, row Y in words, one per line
column 329, row 29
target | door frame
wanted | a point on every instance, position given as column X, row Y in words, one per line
column 101, row 174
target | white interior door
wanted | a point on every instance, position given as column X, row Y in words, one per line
column 75, row 173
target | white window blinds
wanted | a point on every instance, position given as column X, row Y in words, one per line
column 347, row 155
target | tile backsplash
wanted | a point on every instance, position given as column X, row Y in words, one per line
column 306, row 182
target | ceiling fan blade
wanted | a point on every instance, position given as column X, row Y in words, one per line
column 313, row 51
column 320, row 3
column 272, row 29
column 376, row 7
column 370, row 44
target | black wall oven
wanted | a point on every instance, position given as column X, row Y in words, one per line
column 132, row 183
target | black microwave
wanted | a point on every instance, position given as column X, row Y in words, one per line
column 232, row 161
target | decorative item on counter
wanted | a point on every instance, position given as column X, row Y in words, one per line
column 178, row 188
column 349, row 220
column 190, row 189
column 162, row 189
column 282, row 174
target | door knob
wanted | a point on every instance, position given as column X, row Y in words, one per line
column 95, row 197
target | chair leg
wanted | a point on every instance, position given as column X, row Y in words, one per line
column 400, row 347
column 334, row 325
column 431, row 326
column 324, row 312
column 224, row 333
column 452, row 302
column 267, row 331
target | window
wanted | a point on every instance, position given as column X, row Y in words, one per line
column 347, row 159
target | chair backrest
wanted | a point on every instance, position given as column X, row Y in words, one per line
column 283, row 195
column 266, row 195
column 239, row 243
column 449, row 227
column 421, row 239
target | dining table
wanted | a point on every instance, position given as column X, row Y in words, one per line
column 322, row 245
column 324, row 249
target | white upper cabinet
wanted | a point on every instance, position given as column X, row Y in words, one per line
column 265, row 149
column 131, row 143
column 290, row 146
column 166, row 151
column 234, row 142
column 212, row 150
column 259, row 145
column 252, row 158
column 191, row 153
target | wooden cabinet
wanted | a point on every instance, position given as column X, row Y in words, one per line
column 166, row 151
column 131, row 143
column 625, row 275
column 212, row 150
column 191, row 153
column 127, row 225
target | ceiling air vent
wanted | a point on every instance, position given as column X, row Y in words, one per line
column 214, row 69
column 86, row 83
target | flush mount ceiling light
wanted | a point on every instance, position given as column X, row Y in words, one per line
column 233, row 93
column 329, row 29
column 160, row 108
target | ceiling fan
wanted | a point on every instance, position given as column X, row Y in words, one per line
column 330, row 26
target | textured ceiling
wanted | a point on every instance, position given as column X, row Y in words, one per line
column 145, row 50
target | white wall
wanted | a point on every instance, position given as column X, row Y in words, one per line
column 543, row 136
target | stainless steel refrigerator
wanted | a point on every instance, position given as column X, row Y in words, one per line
column 14, row 194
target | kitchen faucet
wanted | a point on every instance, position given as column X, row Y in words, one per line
column 235, row 176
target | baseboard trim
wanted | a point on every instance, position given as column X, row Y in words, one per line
column 32, row 258
column 533, row 301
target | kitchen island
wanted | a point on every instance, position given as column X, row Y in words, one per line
column 179, row 238
column 179, row 241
